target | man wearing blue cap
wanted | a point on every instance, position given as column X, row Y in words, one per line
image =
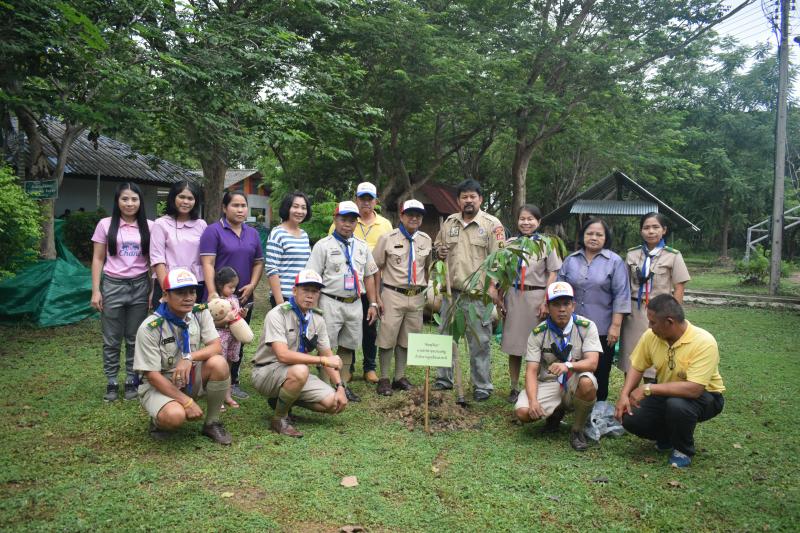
column 348, row 271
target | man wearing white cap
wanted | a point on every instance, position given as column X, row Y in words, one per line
column 178, row 356
column 292, row 331
column 348, row 272
column 403, row 257
column 562, row 353
column 370, row 226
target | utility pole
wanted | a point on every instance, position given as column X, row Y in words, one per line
column 780, row 153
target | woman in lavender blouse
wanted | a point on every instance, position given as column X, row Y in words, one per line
column 176, row 236
column 602, row 293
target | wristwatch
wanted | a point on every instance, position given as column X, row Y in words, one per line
column 647, row 391
column 340, row 384
column 187, row 356
column 373, row 304
column 569, row 365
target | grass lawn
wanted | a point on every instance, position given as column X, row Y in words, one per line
column 708, row 275
column 71, row 462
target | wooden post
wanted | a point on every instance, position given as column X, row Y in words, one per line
column 427, row 388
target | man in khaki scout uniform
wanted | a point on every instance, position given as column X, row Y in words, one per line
column 403, row 257
column 369, row 228
column 562, row 353
column 178, row 355
column 688, row 386
column 466, row 240
column 291, row 331
column 348, row 271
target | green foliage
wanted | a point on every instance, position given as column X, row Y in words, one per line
column 755, row 271
column 20, row 225
column 321, row 219
column 78, row 230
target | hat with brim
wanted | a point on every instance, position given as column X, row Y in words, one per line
column 308, row 277
column 413, row 205
column 346, row 208
column 178, row 279
column 366, row 188
column 559, row 289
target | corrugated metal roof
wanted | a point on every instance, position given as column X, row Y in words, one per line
column 111, row 159
column 613, row 207
column 232, row 175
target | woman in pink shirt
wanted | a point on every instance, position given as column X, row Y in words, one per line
column 121, row 282
column 176, row 236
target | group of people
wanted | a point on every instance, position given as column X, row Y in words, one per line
column 564, row 318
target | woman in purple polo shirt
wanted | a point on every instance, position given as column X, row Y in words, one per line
column 121, row 283
column 602, row 294
column 175, row 242
column 232, row 243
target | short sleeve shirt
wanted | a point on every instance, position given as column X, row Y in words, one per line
column 469, row 244
column 158, row 347
column 239, row 252
column 176, row 244
column 370, row 233
column 282, row 325
column 582, row 338
column 696, row 358
column 391, row 256
column 129, row 262
column 538, row 268
column 668, row 270
column 328, row 260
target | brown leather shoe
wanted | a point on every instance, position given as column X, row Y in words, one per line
column 284, row 427
column 578, row 441
column 553, row 422
column 384, row 387
column 217, row 432
column 402, row 384
column 371, row 377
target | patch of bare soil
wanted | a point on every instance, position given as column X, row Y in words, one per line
column 444, row 413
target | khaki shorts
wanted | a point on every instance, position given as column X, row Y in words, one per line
column 401, row 315
column 343, row 321
column 268, row 380
column 153, row 401
column 550, row 394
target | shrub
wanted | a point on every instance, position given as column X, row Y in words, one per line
column 78, row 231
column 321, row 220
column 756, row 270
column 20, row 225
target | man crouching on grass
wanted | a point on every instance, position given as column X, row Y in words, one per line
column 562, row 353
column 291, row 331
column 178, row 354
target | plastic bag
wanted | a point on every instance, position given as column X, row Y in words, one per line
column 602, row 423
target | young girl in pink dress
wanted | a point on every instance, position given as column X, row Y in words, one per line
column 226, row 279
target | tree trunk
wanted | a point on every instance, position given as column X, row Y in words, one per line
column 519, row 173
column 214, row 169
column 726, row 227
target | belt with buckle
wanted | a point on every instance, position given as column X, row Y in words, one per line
column 348, row 300
column 530, row 288
column 413, row 291
column 259, row 365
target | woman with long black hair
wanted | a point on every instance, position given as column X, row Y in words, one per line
column 121, row 282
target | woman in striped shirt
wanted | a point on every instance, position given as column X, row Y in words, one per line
column 288, row 247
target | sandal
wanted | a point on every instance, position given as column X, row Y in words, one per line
column 232, row 403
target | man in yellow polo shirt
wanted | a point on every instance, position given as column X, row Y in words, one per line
column 688, row 386
column 369, row 227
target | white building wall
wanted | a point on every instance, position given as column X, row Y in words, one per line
column 76, row 193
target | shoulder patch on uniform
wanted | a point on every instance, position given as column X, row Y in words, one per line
column 540, row 328
column 155, row 323
column 634, row 248
column 286, row 306
column 583, row 322
column 199, row 307
column 317, row 311
column 671, row 249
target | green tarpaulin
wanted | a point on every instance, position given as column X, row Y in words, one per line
column 49, row 293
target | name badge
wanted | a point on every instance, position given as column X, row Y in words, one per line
column 168, row 340
column 349, row 281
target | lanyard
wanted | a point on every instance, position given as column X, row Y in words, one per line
column 645, row 285
column 348, row 258
column 412, row 255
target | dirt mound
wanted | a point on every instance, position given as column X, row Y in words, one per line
column 444, row 413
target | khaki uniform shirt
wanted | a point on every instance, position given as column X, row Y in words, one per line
column 158, row 343
column 583, row 338
column 469, row 244
column 282, row 325
column 538, row 268
column 391, row 256
column 668, row 270
column 327, row 259
column 369, row 233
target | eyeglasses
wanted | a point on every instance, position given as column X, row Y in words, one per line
column 671, row 355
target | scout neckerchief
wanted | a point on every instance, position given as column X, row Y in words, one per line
column 348, row 257
column 522, row 267
column 174, row 320
column 412, row 255
column 305, row 319
column 564, row 349
column 645, row 282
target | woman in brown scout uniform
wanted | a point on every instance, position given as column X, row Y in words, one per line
column 665, row 272
column 524, row 303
